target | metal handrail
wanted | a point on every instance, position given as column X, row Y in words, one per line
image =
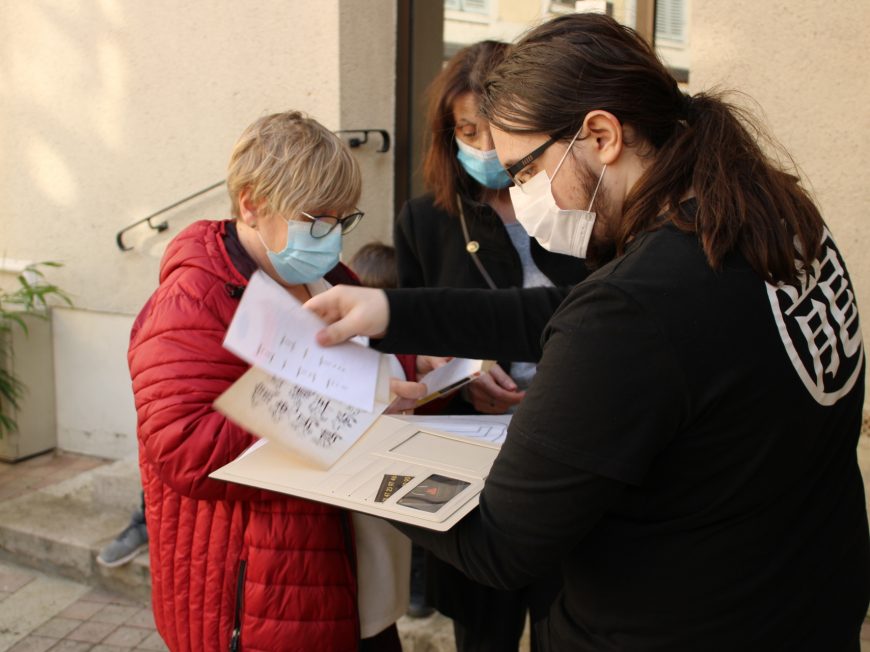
column 356, row 142
column 164, row 225
column 119, row 237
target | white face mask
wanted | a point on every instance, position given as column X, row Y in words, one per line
column 558, row 230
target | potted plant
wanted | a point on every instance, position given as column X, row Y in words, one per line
column 27, row 424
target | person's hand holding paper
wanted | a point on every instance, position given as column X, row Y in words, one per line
column 494, row 392
column 450, row 375
column 350, row 311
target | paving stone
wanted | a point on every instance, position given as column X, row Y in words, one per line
column 153, row 644
column 91, row 632
column 115, row 613
column 431, row 634
column 11, row 580
column 33, row 605
column 7, row 492
column 99, row 595
column 82, row 609
column 71, row 646
column 127, row 636
column 33, row 644
column 57, row 627
column 142, row 618
column 102, row 647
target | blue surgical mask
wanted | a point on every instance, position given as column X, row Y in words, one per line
column 305, row 258
column 482, row 166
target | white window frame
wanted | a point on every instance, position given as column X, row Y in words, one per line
column 459, row 10
column 665, row 16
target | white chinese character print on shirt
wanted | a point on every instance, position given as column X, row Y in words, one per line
column 818, row 323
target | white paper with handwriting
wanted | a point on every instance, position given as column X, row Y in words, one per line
column 315, row 427
column 272, row 330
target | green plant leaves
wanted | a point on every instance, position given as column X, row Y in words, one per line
column 32, row 298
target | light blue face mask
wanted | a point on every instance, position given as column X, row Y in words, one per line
column 482, row 166
column 305, row 258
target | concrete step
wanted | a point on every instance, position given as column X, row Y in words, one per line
column 117, row 485
column 61, row 529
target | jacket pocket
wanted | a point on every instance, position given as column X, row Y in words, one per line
column 235, row 639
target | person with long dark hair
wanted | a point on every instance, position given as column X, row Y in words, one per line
column 463, row 234
column 685, row 457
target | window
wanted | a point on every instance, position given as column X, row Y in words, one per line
column 581, row 6
column 468, row 6
column 671, row 20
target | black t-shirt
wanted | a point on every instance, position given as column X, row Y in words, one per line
column 686, row 454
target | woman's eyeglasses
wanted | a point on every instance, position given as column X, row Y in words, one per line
column 323, row 225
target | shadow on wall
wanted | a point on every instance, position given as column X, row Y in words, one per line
column 114, row 110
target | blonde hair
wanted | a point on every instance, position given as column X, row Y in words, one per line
column 290, row 163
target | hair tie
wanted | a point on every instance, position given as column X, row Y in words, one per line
column 687, row 103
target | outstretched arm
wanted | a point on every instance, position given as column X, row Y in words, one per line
column 473, row 323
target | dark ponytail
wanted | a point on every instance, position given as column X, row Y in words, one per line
column 569, row 66
column 746, row 203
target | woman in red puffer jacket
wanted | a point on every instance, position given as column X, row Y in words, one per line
column 234, row 567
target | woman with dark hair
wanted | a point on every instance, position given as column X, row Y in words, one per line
column 464, row 234
column 686, row 454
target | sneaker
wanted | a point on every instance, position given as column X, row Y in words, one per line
column 126, row 545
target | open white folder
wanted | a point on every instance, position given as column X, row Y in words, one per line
column 320, row 414
column 397, row 470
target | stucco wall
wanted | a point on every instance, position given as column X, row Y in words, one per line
column 807, row 64
column 111, row 110
column 367, row 99
column 116, row 109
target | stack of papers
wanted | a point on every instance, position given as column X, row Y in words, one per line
column 321, row 411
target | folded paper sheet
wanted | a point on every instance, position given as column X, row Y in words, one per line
column 315, row 427
column 451, row 376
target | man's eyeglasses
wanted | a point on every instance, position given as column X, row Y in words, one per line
column 515, row 169
column 323, row 225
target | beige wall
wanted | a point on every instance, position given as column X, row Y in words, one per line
column 112, row 109
column 807, row 63
column 367, row 99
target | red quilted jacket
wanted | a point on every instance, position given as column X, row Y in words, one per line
column 227, row 561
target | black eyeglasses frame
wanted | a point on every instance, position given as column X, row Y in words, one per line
column 347, row 223
column 518, row 167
